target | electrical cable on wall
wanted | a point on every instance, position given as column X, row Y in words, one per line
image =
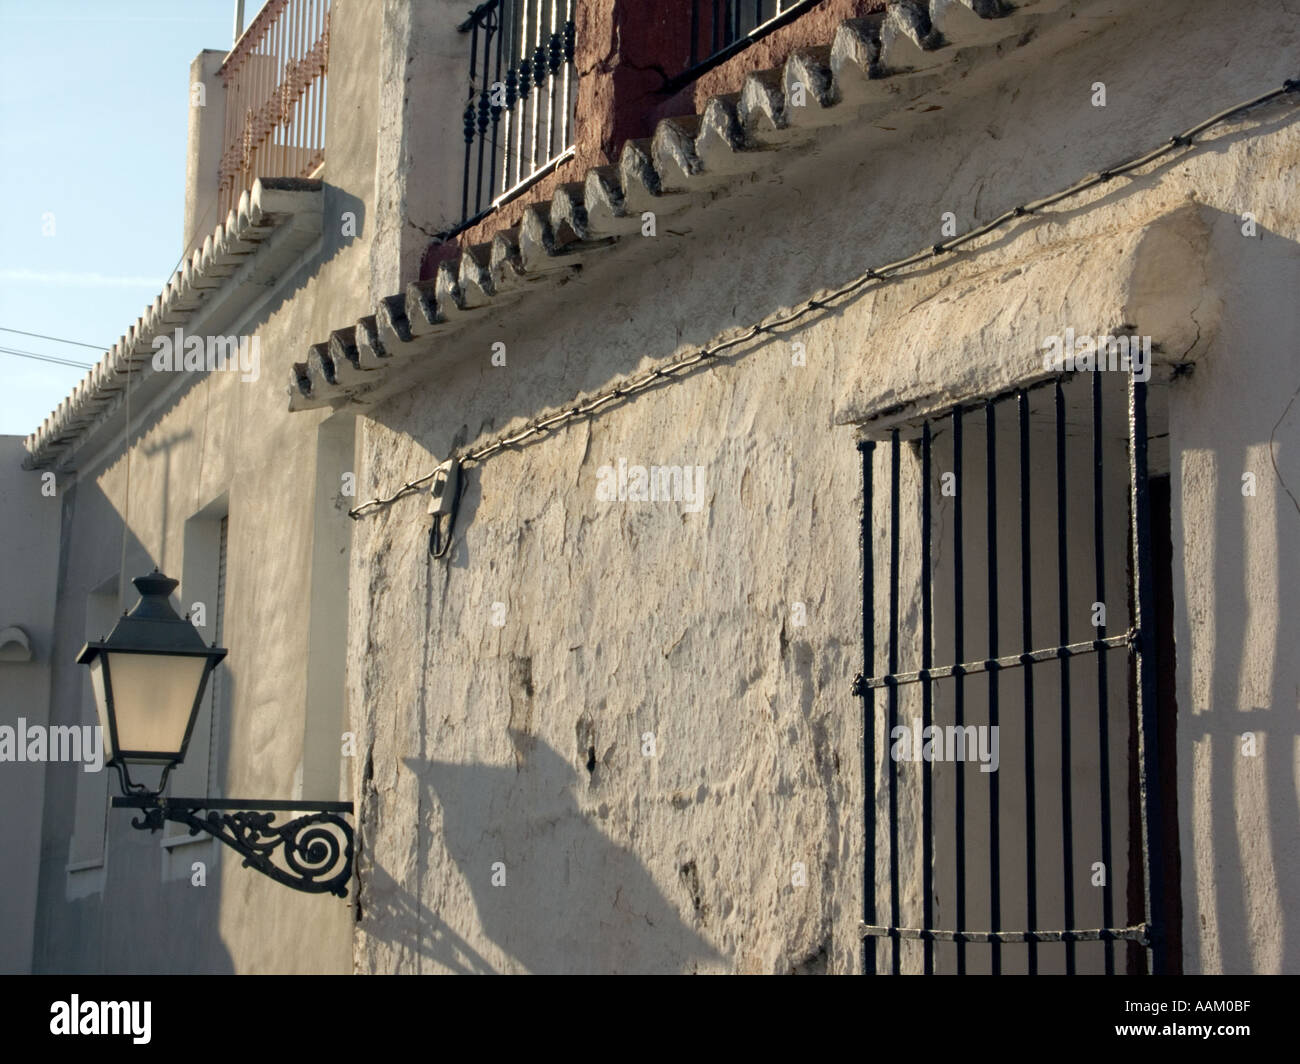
column 676, row 369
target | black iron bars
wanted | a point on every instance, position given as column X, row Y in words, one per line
column 518, row 116
column 986, row 847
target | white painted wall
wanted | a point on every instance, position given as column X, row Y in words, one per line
column 623, row 619
column 31, row 536
column 617, row 621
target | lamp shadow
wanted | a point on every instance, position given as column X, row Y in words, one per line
column 548, row 887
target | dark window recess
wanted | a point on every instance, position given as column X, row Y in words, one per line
column 519, row 113
column 721, row 28
column 1009, row 582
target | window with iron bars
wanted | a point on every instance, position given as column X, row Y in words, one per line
column 519, row 113
column 1016, row 693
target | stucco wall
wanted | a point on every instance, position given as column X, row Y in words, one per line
column 28, row 578
column 502, row 699
column 514, row 733
column 210, row 436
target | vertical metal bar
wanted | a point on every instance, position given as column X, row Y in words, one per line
column 895, row 943
column 282, row 32
column 539, row 71
column 1063, row 604
column 298, row 85
column 322, row 85
column 519, row 52
column 289, row 90
column 484, row 109
column 959, row 682
column 995, row 869
column 716, row 28
column 299, row 108
column 502, row 13
column 548, row 38
column 1145, row 678
column 257, row 65
column 867, row 449
column 469, row 121
column 318, row 79
column 566, row 130
column 1103, row 697
column 505, row 61
column 695, row 34
column 300, row 52
column 276, row 30
column 1027, row 627
column 927, row 792
column 261, row 152
column 282, row 69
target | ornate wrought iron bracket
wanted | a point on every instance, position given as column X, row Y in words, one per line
column 316, row 848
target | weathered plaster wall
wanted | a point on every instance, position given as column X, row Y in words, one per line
column 211, row 436
column 513, row 733
column 27, row 587
column 625, row 53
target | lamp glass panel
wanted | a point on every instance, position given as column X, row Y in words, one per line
column 101, row 704
column 152, row 698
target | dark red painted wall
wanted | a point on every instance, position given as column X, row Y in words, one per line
column 625, row 52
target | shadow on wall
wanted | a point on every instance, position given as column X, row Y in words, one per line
column 1250, row 864
column 550, row 889
column 137, row 909
column 1236, row 581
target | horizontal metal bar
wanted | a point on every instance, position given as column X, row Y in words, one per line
column 1137, row 933
column 505, row 197
column 145, row 801
column 1010, row 661
column 478, row 17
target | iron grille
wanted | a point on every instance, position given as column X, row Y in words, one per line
column 1024, row 870
column 520, row 110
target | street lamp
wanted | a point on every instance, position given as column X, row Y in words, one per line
column 148, row 677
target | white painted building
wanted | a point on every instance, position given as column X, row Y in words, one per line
column 717, row 315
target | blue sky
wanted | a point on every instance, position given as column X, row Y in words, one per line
column 93, row 113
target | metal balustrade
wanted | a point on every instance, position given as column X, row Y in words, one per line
column 274, row 79
column 519, row 113
column 722, row 28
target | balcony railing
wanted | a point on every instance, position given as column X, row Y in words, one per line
column 520, row 110
column 275, row 97
column 721, row 28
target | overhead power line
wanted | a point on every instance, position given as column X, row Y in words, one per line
column 57, row 339
column 45, row 358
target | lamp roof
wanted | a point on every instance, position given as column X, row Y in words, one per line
column 151, row 626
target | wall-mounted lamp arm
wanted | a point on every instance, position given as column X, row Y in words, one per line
column 316, row 848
